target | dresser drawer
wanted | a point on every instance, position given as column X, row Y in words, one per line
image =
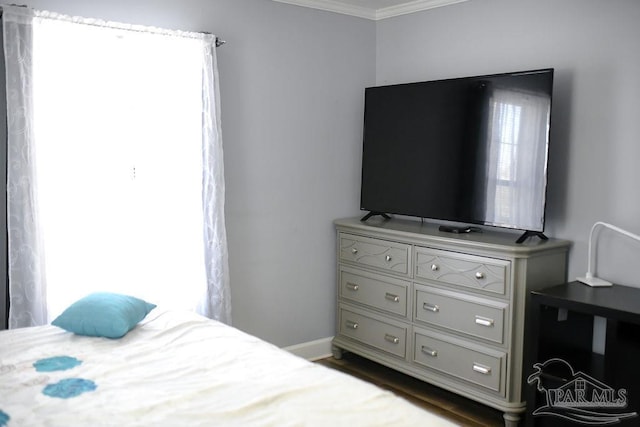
column 487, row 274
column 477, row 365
column 382, row 254
column 469, row 315
column 377, row 291
column 374, row 332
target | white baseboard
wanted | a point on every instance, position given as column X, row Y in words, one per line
column 312, row 350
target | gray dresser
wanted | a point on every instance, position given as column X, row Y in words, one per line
column 446, row 308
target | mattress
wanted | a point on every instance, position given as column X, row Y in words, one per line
column 181, row 369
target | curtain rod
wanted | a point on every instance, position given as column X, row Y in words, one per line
column 218, row 41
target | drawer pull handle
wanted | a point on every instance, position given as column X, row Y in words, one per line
column 352, row 286
column 434, row 267
column 391, row 339
column 479, row 275
column 351, row 325
column 483, row 321
column 388, row 258
column 431, row 307
column 354, row 251
column 431, row 352
column 392, row 297
column 484, row 370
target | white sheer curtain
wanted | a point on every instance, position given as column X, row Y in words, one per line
column 518, row 136
column 115, row 175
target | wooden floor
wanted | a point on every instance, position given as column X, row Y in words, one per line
column 459, row 410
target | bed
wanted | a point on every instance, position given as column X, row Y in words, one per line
column 180, row 369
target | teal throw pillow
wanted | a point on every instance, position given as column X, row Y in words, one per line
column 103, row 314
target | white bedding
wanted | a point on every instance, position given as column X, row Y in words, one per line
column 180, row 369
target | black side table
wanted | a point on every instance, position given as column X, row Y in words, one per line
column 564, row 380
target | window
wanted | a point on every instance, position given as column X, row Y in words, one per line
column 516, row 156
column 123, row 135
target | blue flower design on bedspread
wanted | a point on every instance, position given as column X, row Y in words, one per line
column 58, row 363
column 69, row 387
column 4, row 418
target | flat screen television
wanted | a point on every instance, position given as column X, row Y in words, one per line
column 470, row 150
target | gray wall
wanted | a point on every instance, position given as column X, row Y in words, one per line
column 292, row 84
column 594, row 168
column 292, row 81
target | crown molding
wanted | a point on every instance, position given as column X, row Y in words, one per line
column 335, row 6
column 371, row 13
column 413, row 6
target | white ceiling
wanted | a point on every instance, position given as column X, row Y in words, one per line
column 372, row 9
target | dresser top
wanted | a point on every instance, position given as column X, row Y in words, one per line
column 425, row 232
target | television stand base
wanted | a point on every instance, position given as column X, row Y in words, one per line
column 370, row 214
column 528, row 234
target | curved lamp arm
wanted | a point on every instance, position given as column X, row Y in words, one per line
column 589, row 278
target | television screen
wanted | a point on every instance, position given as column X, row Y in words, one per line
column 471, row 150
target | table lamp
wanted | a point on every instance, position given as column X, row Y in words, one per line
column 590, row 279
